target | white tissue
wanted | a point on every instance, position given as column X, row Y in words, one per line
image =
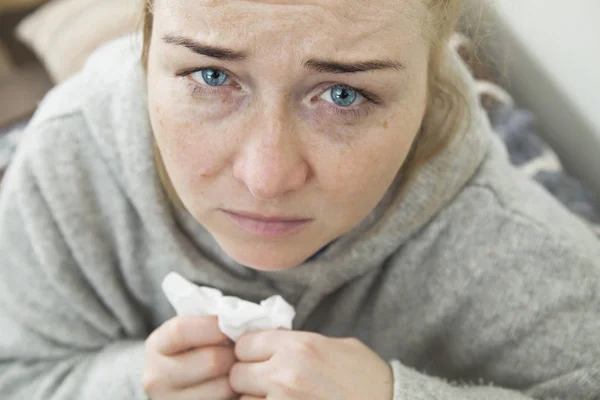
column 236, row 316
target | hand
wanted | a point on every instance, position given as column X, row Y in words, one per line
column 300, row 365
column 188, row 358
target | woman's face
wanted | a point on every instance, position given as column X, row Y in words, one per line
column 283, row 123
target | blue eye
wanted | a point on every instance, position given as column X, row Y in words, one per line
column 343, row 96
column 213, row 77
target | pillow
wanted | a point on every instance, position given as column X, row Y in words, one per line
column 63, row 33
column 13, row 5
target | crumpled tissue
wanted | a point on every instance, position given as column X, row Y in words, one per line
column 235, row 316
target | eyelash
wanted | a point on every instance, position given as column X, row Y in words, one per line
column 371, row 100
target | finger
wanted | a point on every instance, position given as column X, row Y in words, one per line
column 249, row 379
column 216, row 389
column 183, row 333
column 200, row 365
column 257, row 346
column 261, row 345
column 252, row 398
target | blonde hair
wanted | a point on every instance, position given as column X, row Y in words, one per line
column 447, row 104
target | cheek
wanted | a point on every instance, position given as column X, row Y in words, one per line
column 373, row 163
column 190, row 135
column 362, row 170
column 191, row 148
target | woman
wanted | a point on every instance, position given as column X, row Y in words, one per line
column 329, row 151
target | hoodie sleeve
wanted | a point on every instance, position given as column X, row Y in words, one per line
column 528, row 326
column 61, row 337
column 410, row 384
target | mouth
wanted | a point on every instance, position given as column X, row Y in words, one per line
column 267, row 226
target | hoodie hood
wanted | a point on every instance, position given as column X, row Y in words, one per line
column 114, row 105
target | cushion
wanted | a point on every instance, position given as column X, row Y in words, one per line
column 63, row 33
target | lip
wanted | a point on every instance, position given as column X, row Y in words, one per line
column 267, row 226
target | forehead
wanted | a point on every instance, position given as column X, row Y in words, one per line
column 330, row 25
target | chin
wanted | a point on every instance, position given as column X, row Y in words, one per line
column 261, row 259
column 261, row 263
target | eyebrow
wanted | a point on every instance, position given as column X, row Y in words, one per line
column 219, row 53
column 315, row 65
column 333, row 67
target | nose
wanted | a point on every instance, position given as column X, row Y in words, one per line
column 270, row 161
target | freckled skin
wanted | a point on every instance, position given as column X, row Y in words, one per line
column 264, row 144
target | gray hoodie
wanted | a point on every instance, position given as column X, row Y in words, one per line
column 474, row 283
